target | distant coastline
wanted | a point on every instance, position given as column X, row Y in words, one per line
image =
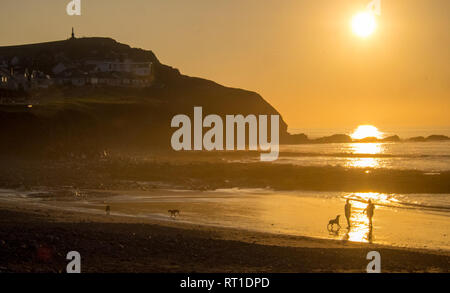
column 402, row 132
column 302, row 138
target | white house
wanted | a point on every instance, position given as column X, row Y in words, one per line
column 128, row 66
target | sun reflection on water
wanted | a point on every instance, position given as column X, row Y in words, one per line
column 365, row 148
column 364, row 163
column 360, row 231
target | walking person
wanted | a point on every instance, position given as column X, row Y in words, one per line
column 348, row 212
column 369, row 210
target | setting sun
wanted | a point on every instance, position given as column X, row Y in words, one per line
column 364, row 24
column 364, row 131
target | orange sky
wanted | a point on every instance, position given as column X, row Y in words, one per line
column 301, row 56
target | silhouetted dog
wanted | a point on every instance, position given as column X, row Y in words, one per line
column 174, row 213
column 333, row 222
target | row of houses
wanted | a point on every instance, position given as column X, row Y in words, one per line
column 88, row 73
column 119, row 79
column 95, row 66
column 17, row 79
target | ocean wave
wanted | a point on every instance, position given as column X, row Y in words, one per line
column 353, row 155
column 425, row 202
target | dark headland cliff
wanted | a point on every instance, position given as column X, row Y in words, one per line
column 72, row 113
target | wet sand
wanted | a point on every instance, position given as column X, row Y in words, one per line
column 37, row 239
column 399, row 219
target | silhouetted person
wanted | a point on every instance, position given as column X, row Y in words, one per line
column 348, row 212
column 108, row 210
column 369, row 210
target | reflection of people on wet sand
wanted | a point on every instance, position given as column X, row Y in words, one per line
column 370, row 234
column 348, row 212
column 369, row 210
column 346, row 236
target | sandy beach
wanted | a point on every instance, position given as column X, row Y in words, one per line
column 37, row 239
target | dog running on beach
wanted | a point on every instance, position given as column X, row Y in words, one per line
column 174, row 213
column 333, row 222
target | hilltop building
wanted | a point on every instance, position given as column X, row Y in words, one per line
column 103, row 72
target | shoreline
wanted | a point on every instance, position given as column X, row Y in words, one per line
column 124, row 244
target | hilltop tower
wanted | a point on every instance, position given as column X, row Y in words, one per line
column 73, row 34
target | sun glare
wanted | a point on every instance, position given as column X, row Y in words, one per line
column 364, row 24
column 364, row 131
